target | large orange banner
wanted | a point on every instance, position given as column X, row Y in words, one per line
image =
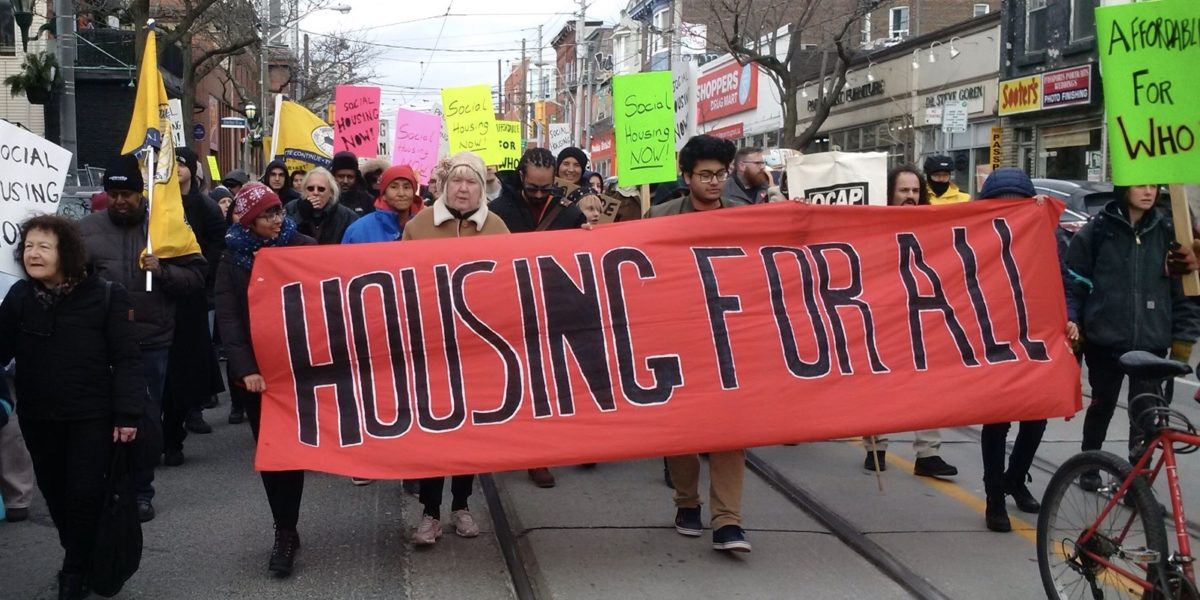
column 702, row 332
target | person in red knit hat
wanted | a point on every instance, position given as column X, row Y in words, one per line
column 396, row 204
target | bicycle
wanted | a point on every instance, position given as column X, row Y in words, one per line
column 1115, row 545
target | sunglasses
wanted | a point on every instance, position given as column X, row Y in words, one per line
column 545, row 190
column 316, row 188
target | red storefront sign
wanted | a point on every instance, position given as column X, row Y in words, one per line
column 1067, row 87
column 727, row 91
column 602, row 149
column 729, row 132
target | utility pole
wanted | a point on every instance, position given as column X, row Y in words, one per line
column 499, row 86
column 304, row 80
column 578, row 116
column 544, row 139
column 524, row 94
column 65, row 38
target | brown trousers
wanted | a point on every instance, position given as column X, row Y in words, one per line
column 726, row 471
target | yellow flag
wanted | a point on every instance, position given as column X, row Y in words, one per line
column 301, row 139
column 169, row 233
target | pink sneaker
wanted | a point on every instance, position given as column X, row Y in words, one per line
column 464, row 523
column 428, row 531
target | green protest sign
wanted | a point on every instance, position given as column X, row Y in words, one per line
column 644, row 127
column 1148, row 56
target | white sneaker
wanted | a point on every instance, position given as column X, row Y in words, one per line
column 361, row 482
column 428, row 531
column 464, row 523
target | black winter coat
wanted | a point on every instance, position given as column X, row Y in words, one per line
column 75, row 361
column 233, row 314
column 334, row 220
column 113, row 254
column 205, row 218
column 512, row 208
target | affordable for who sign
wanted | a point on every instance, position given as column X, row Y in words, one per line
column 727, row 91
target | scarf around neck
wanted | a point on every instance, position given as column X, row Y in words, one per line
column 48, row 297
column 243, row 245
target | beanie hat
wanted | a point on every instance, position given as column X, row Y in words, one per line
column 124, row 173
column 938, row 164
column 251, row 201
column 236, row 177
column 344, row 160
column 189, row 159
column 404, row 172
column 575, row 153
column 218, row 193
column 1007, row 180
column 470, row 160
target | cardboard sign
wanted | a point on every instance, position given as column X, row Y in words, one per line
column 644, row 127
column 609, row 207
column 683, row 81
column 32, row 173
column 471, row 120
column 418, row 136
column 839, row 178
column 508, row 145
column 559, row 349
column 560, row 137
column 356, row 127
column 1148, row 56
column 176, row 115
column 214, row 171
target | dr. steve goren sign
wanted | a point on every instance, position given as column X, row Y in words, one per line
column 702, row 332
column 644, row 126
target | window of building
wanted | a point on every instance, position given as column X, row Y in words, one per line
column 866, row 30
column 898, row 23
column 660, row 26
column 8, row 29
column 981, row 9
column 1083, row 19
column 1035, row 25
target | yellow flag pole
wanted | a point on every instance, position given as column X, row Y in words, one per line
column 151, row 163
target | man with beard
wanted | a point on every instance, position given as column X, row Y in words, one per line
column 906, row 187
column 115, row 240
column 532, row 201
column 356, row 194
column 750, row 179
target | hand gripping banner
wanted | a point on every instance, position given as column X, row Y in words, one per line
column 701, row 332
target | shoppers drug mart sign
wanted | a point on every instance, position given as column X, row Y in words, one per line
column 728, row 90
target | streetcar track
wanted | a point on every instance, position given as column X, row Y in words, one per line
column 508, row 540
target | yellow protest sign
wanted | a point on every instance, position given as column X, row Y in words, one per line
column 214, row 172
column 471, row 121
column 508, row 145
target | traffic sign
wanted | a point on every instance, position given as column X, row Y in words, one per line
column 233, row 123
column 954, row 116
column 198, row 132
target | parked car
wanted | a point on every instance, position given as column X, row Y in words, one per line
column 1084, row 197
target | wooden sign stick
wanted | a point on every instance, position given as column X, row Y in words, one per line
column 645, row 192
column 1182, row 218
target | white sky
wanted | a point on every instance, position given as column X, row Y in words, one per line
column 489, row 29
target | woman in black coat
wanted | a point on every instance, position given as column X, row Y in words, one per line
column 79, row 378
column 259, row 222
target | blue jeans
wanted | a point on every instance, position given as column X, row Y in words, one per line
column 150, row 436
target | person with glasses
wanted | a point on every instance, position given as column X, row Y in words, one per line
column 750, row 181
column 259, row 222
column 319, row 215
column 532, row 201
column 704, row 162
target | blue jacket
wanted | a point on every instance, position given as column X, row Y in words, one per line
column 379, row 226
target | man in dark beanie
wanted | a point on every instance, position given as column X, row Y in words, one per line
column 115, row 240
column 356, row 194
column 234, row 180
column 193, row 375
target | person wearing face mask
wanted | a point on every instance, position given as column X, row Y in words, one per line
column 939, row 173
column 276, row 178
column 750, row 180
column 319, row 215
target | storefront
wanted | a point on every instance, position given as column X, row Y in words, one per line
column 970, row 149
column 603, row 157
column 1057, row 123
column 738, row 103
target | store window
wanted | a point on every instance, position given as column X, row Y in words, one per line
column 8, row 29
column 1067, row 152
column 1035, row 25
column 898, row 22
column 1083, row 19
column 980, row 10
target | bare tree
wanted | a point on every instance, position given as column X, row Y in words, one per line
column 339, row 58
column 753, row 31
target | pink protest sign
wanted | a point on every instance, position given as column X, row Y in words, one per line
column 418, row 136
column 356, row 120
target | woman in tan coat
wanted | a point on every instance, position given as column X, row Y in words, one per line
column 460, row 211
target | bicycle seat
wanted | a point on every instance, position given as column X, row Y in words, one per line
column 1144, row 365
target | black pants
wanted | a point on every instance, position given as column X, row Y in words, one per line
column 284, row 488
column 71, row 461
column 431, row 493
column 1105, row 377
column 992, row 442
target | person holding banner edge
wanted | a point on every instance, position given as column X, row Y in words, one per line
column 259, row 222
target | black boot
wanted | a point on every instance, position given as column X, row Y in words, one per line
column 996, row 514
column 1015, row 487
column 283, row 556
column 70, row 586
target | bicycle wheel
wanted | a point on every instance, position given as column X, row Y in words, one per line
column 1068, row 511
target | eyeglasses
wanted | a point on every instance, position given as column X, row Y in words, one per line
column 542, row 190
column 754, row 162
column 272, row 214
column 709, row 176
column 316, row 188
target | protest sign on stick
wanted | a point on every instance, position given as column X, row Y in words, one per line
column 644, row 126
column 32, row 173
column 471, row 120
column 839, row 178
column 356, row 123
column 418, row 136
column 508, row 145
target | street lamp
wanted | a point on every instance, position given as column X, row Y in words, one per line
column 23, row 15
column 251, row 111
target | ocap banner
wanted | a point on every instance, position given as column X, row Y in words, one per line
column 356, row 120
column 842, row 178
column 471, row 120
column 644, row 127
column 302, row 140
column 508, row 145
column 32, row 173
column 1148, row 56
column 701, row 332
column 418, row 136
